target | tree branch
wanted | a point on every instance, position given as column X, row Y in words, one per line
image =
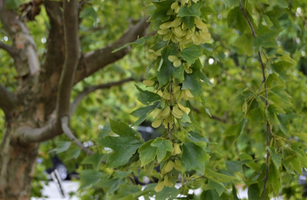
column 98, row 59
column 90, row 89
column 71, row 136
column 91, row 62
column 268, row 127
column 8, row 100
column 22, row 42
column 10, row 49
column 71, row 60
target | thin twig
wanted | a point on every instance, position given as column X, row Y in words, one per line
column 93, row 88
column 268, row 128
column 71, row 136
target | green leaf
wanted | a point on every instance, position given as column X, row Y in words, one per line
column 253, row 192
column 198, row 73
column 185, row 118
column 234, row 166
column 188, row 21
column 167, row 69
column 179, row 73
column 245, row 44
column 159, row 14
column 168, row 193
column 235, row 129
column 143, row 112
column 191, row 53
column 281, row 68
column 62, row 146
column 192, row 153
column 190, row 82
column 218, row 177
column 147, row 153
column 123, row 130
column 251, row 164
column 123, row 147
column 158, row 45
column 193, row 11
column 256, row 117
column 267, row 21
column 210, row 194
column 218, row 187
column 274, row 178
column 137, row 42
column 281, row 92
column 162, row 146
column 94, row 160
column 111, row 185
column 89, row 178
column 146, row 97
column 236, row 18
column 272, row 112
column 198, row 139
column 275, row 157
column 266, row 38
column 72, row 153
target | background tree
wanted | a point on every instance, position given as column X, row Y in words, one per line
column 237, row 125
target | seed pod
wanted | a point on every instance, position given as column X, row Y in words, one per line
column 166, row 111
column 176, row 22
column 156, row 123
column 177, row 149
column 167, row 182
column 200, row 24
column 177, row 165
column 188, row 93
column 166, row 25
column 184, row 109
column 168, row 166
column 177, row 63
column 176, row 112
column 148, row 82
column 159, row 186
column 156, row 113
column 172, row 58
column 163, row 31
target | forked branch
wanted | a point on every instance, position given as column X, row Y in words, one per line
column 70, row 135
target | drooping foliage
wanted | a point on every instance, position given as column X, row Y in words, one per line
column 224, row 83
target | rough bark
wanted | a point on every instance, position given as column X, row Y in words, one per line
column 16, row 165
column 30, row 111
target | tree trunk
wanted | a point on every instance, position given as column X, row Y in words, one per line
column 17, row 162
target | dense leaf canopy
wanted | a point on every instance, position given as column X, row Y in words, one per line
column 222, row 82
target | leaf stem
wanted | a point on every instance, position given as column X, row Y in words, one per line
column 268, row 127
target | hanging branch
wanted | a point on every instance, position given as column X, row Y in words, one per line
column 70, row 135
column 268, row 127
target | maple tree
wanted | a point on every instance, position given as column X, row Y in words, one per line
column 223, row 81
